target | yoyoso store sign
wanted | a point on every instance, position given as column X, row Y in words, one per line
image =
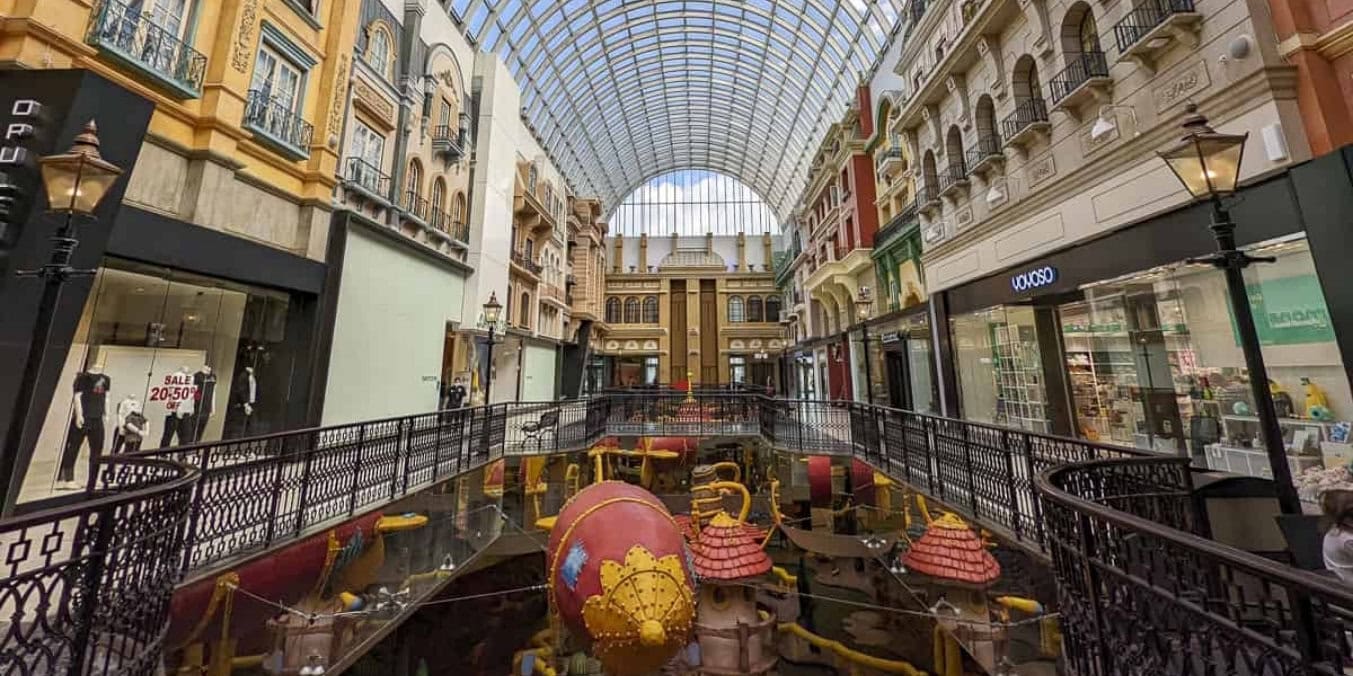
column 1036, row 278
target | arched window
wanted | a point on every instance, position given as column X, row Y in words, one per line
column 378, row 50
column 953, row 147
column 1080, row 35
column 651, row 310
column 631, row 310
column 413, row 188
column 930, row 183
column 529, row 247
column 988, row 140
column 736, row 310
column 525, row 310
column 439, row 204
column 754, row 309
column 612, row 310
column 458, row 215
column 772, row 308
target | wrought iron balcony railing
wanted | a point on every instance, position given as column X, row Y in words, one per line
column 955, row 175
column 449, row 141
column 525, row 261
column 276, row 122
column 928, row 194
column 415, row 206
column 358, row 173
column 1145, row 17
column 1082, row 69
column 987, row 147
column 445, row 223
column 1028, row 112
column 133, row 38
column 1124, row 530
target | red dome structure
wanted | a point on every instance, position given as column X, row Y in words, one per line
column 951, row 551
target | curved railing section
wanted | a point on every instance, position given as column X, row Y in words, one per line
column 1142, row 591
column 86, row 589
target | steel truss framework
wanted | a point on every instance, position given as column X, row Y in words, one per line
column 623, row 90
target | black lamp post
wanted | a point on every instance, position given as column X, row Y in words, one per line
column 76, row 182
column 493, row 310
column 863, row 301
column 1208, row 164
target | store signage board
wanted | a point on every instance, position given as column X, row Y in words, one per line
column 1289, row 311
column 1035, row 278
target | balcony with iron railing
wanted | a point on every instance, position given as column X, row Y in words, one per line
column 986, row 155
column 552, row 293
column 366, row 181
column 449, row 141
column 457, row 231
column 275, row 123
column 1029, row 119
column 127, row 35
column 928, row 195
column 1086, row 76
column 524, row 263
column 1153, row 26
column 890, row 159
column 954, row 180
column 415, row 207
column 904, row 219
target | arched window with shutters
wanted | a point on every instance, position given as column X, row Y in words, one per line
column 439, row 205
column 772, row 308
column 631, row 310
column 651, row 310
column 737, row 312
column 754, row 309
column 525, row 310
column 613, row 310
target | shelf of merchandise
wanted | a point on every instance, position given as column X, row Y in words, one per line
column 1252, row 460
column 1019, row 378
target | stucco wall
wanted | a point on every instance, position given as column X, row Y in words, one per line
column 393, row 307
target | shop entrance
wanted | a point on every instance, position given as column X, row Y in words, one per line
column 896, row 366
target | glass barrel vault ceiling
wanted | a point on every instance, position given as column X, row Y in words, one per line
column 621, row 91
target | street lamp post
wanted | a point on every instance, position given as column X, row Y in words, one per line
column 76, row 182
column 493, row 310
column 862, row 303
column 1208, row 164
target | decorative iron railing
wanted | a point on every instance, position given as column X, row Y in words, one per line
column 987, row 147
column 368, row 177
column 928, row 193
column 1143, row 591
column 1027, row 113
column 125, row 32
column 1146, row 16
column 448, row 140
column 1079, row 70
column 415, row 206
column 525, row 261
column 86, row 589
column 277, row 120
column 956, row 174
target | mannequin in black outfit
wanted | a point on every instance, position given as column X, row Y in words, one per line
column 205, row 382
column 87, row 422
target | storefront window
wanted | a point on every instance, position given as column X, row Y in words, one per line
column 162, row 359
column 1000, row 373
column 1154, row 362
column 634, row 371
column 737, row 369
column 903, row 370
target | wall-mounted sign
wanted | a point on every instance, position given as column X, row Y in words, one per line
column 1036, row 278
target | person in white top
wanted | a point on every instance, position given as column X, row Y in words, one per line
column 1337, row 504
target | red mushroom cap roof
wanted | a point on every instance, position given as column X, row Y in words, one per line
column 950, row 550
column 726, row 551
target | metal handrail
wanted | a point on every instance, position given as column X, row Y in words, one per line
column 988, row 146
column 277, row 119
column 1028, row 112
column 1140, row 21
column 1079, row 69
column 369, row 177
column 99, row 572
column 136, row 37
column 954, row 174
column 1154, row 593
column 415, row 205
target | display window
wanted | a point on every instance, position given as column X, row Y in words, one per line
column 1154, row 362
column 999, row 365
column 161, row 358
column 633, row 371
column 901, row 356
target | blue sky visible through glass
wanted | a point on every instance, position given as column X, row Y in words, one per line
column 622, row 90
column 692, row 202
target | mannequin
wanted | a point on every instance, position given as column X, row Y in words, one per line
column 132, row 426
column 205, row 383
column 181, row 404
column 243, row 398
column 88, row 417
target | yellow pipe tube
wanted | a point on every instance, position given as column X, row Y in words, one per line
column 728, row 464
column 850, row 655
column 746, row 496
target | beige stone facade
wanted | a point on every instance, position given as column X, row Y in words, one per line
column 1001, row 98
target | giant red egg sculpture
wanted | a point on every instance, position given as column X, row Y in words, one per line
column 619, row 575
